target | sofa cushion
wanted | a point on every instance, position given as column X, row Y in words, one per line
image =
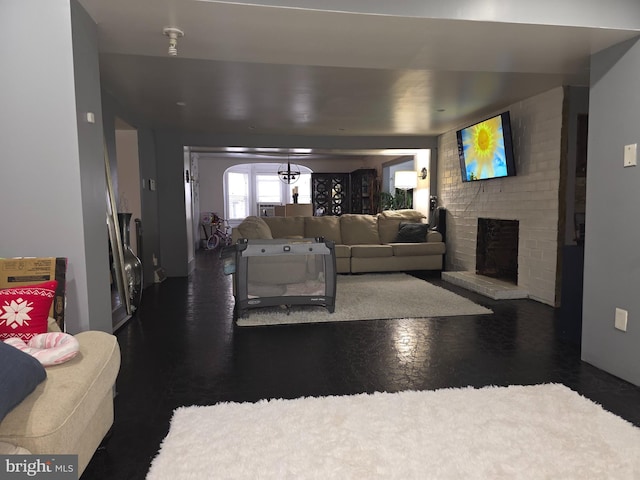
column 327, row 226
column 371, row 251
column 388, row 228
column 286, row 227
column 254, row 228
column 418, row 249
column 406, row 214
column 357, row 229
column 343, row 251
column 20, row 374
column 412, row 233
column 24, row 310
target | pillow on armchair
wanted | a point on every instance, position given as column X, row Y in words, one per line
column 24, row 311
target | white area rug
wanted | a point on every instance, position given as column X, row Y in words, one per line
column 517, row 432
column 372, row 296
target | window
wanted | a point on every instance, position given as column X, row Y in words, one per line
column 247, row 185
column 237, row 199
column 268, row 188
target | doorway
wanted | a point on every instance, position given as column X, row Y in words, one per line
column 127, row 187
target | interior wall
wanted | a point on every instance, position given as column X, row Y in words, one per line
column 530, row 197
column 612, row 256
column 171, row 203
column 52, row 181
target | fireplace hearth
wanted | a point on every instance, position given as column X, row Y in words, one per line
column 497, row 249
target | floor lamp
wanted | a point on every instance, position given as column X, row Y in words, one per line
column 405, row 180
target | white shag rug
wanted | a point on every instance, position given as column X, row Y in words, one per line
column 517, row 432
column 372, row 296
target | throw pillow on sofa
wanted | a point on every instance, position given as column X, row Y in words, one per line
column 24, row 311
column 20, row 374
column 412, row 233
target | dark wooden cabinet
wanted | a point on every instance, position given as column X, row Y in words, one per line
column 339, row 193
column 330, row 193
column 364, row 191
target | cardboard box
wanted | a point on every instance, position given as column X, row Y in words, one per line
column 18, row 272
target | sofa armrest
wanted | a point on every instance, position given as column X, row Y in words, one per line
column 434, row 236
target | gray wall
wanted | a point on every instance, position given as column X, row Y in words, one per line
column 612, row 255
column 52, row 184
column 171, row 203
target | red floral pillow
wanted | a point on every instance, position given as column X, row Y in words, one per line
column 24, row 310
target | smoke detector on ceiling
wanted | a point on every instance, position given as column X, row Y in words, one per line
column 173, row 33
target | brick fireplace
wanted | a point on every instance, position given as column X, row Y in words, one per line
column 497, row 249
column 532, row 197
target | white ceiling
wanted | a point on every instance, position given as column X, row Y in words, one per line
column 251, row 69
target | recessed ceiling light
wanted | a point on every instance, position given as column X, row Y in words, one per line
column 181, row 104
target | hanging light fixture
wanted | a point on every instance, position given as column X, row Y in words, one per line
column 290, row 175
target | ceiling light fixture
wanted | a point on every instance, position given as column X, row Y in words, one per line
column 173, row 33
column 290, row 175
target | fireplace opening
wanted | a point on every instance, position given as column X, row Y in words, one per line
column 497, row 249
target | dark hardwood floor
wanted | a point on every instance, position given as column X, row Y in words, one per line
column 181, row 348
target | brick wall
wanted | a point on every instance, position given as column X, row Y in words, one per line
column 531, row 197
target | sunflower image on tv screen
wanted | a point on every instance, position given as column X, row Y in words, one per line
column 484, row 150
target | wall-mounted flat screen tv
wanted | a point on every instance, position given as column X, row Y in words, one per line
column 486, row 149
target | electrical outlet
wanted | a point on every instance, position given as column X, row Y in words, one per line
column 621, row 319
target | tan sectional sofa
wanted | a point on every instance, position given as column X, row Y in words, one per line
column 364, row 243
